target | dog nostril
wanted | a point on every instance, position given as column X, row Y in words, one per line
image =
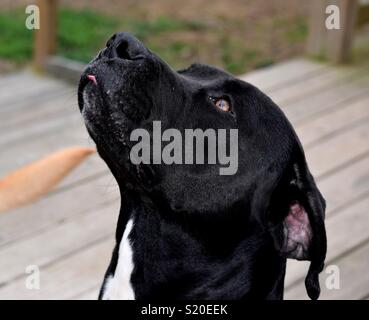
column 122, row 50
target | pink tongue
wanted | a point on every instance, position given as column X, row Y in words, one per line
column 92, row 78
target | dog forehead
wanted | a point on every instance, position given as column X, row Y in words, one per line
column 204, row 72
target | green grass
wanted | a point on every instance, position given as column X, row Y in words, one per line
column 15, row 39
column 81, row 33
column 145, row 29
column 297, row 32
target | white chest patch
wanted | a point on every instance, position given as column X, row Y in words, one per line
column 118, row 287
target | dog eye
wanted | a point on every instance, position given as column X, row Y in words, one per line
column 221, row 104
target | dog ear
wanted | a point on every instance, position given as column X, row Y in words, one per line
column 297, row 221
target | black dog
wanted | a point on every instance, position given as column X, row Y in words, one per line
column 184, row 231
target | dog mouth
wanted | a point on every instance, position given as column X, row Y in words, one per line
column 86, row 90
column 112, row 144
column 100, row 101
column 110, row 114
column 89, row 99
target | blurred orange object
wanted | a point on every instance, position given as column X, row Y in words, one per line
column 32, row 181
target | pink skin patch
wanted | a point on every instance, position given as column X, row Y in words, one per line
column 92, row 78
column 297, row 232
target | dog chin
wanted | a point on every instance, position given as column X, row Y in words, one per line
column 91, row 104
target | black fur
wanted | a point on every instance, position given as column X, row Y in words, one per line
column 197, row 234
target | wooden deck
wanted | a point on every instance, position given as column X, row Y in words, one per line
column 69, row 233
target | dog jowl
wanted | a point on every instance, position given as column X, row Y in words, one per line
column 184, row 230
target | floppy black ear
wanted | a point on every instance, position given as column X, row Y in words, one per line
column 297, row 221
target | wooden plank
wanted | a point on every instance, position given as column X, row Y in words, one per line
column 345, row 185
column 38, row 88
column 323, row 81
column 30, row 131
column 93, row 167
column 89, row 294
column 29, row 109
column 282, row 74
column 332, row 153
column 312, row 106
column 29, row 104
column 36, row 141
column 26, row 83
column 26, row 131
column 40, row 92
column 354, row 278
column 353, row 218
column 311, row 132
column 340, row 42
column 40, row 112
column 29, row 150
column 17, row 156
column 334, row 44
column 56, row 208
column 57, row 242
column 66, row 278
column 13, row 79
column 45, row 37
column 317, row 32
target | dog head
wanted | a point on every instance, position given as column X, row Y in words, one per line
column 127, row 87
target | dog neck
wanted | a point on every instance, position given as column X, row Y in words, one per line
column 182, row 256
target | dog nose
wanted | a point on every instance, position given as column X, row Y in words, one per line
column 125, row 46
